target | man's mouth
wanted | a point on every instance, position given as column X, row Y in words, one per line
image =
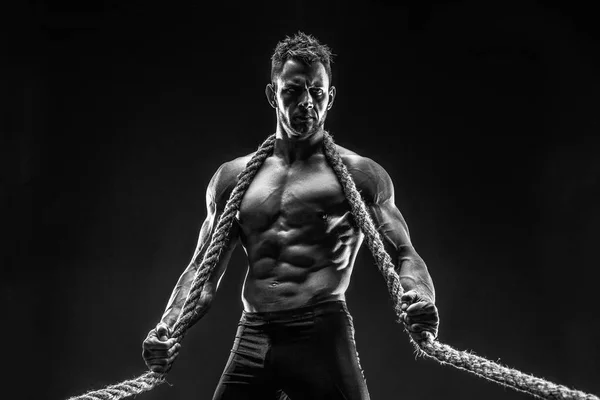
column 303, row 117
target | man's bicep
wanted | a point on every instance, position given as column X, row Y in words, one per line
column 217, row 197
column 204, row 238
column 377, row 189
column 224, row 255
column 392, row 227
column 216, row 200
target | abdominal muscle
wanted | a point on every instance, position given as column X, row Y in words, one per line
column 298, row 275
column 278, row 293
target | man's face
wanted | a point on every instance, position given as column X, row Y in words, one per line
column 302, row 97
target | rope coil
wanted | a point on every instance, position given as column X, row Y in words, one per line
column 440, row 352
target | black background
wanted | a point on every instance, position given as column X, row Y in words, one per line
column 115, row 116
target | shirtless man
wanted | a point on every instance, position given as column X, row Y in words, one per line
column 296, row 334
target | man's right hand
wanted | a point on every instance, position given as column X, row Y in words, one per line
column 159, row 349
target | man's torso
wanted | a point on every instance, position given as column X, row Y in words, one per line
column 298, row 233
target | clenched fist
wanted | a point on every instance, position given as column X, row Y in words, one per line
column 419, row 315
column 159, row 349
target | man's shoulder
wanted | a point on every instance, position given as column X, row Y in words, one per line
column 371, row 179
column 356, row 161
column 226, row 177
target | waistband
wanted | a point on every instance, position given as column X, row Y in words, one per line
column 294, row 314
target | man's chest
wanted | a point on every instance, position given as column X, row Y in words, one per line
column 296, row 195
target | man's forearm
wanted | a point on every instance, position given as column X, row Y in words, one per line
column 179, row 295
column 414, row 276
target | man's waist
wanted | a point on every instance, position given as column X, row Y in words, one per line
column 333, row 304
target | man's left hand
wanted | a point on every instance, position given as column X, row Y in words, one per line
column 419, row 315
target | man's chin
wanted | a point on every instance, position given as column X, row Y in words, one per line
column 304, row 130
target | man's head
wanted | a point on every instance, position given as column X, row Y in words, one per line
column 300, row 90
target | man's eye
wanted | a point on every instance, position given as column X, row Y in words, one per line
column 317, row 92
column 289, row 90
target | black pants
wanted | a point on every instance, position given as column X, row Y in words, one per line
column 306, row 353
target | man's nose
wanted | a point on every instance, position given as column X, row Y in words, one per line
column 306, row 100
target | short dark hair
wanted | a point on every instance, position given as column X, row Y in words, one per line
column 301, row 47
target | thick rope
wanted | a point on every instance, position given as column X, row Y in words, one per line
column 189, row 314
column 438, row 351
column 443, row 353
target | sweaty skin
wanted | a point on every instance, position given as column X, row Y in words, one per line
column 295, row 224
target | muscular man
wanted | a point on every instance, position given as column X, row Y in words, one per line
column 296, row 334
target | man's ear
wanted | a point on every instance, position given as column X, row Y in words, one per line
column 271, row 94
column 332, row 92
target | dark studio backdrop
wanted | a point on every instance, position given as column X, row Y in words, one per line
column 115, row 117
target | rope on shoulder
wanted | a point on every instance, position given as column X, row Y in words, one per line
column 443, row 353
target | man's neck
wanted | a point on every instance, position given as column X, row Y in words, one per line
column 292, row 149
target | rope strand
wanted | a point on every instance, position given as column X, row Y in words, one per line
column 431, row 348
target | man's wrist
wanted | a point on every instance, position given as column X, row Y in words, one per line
column 426, row 295
column 409, row 283
column 168, row 323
